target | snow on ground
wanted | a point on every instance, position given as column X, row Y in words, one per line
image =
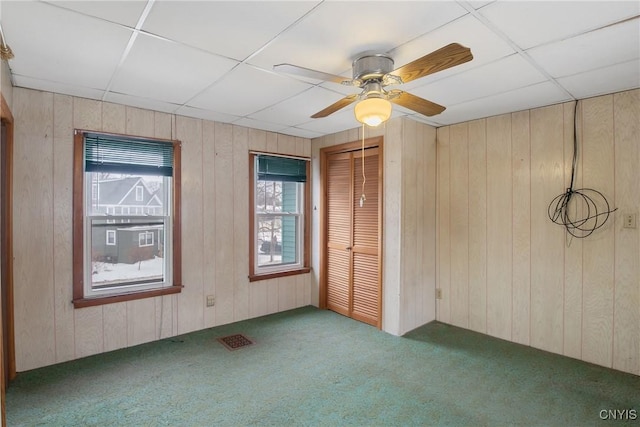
column 105, row 272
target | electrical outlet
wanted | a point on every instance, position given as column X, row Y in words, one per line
column 629, row 220
column 438, row 293
column 211, row 301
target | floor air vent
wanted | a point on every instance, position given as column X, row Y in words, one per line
column 234, row 342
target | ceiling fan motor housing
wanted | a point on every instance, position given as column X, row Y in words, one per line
column 372, row 66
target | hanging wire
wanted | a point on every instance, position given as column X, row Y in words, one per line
column 363, row 198
column 592, row 217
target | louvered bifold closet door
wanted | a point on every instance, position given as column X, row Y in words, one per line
column 339, row 199
column 366, row 280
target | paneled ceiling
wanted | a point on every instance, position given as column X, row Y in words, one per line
column 214, row 59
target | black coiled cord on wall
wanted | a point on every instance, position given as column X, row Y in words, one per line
column 593, row 217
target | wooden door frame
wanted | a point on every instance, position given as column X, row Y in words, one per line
column 373, row 142
column 7, row 118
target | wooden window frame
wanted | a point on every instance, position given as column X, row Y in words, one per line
column 79, row 300
column 306, row 232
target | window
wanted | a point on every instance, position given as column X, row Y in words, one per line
column 279, row 202
column 145, row 239
column 139, row 193
column 120, row 253
column 111, row 236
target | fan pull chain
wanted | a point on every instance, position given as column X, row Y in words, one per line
column 363, row 198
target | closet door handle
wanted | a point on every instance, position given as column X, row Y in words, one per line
column 348, row 248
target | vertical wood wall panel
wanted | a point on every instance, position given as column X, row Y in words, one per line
column 114, row 330
column 521, row 159
column 191, row 301
column 459, row 227
column 209, row 218
column 140, row 122
column 62, row 226
column 547, row 242
column 141, row 321
column 478, row 226
column 626, row 322
column 114, row 118
column 572, row 249
column 87, row 114
column 409, row 220
column 428, row 260
column 33, row 229
column 240, row 242
column 499, row 227
column 599, row 248
column 582, row 295
column 89, row 332
column 444, row 231
column 224, row 222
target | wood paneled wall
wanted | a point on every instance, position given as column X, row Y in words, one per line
column 504, row 268
column 215, row 241
column 5, row 83
column 408, row 283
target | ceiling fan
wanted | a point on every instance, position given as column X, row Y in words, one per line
column 373, row 72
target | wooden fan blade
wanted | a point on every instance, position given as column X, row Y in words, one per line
column 417, row 104
column 335, row 106
column 307, row 72
column 441, row 59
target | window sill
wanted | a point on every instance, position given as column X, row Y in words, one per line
column 256, row 277
column 90, row 302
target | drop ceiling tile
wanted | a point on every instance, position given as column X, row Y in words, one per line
column 55, row 87
column 54, row 44
column 256, row 124
column 298, row 109
column 125, row 13
column 479, row 4
column 596, row 49
column 167, row 71
column 337, row 122
column 232, row 29
column 500, row 76
column 538, row 95
column 336, row 33
column 199, row 113
column 531, row 23
column 485, row 47
column 294, row 131
column 602, row 81
column 246, row 90
column 135, row 101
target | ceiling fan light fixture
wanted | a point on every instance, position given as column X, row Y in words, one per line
column 372, row 111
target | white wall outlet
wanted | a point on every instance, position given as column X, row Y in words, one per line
column 438, row 293
column 211, row 301
column 629, row 220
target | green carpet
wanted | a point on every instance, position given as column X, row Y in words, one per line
column 311, row 367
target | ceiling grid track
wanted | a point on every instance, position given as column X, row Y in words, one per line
column 127, row 50
column 514, row 46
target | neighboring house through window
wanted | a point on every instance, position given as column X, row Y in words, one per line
column 126, row 231
column 279, row 205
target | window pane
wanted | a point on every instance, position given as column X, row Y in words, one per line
column 134, row 257
column 277, row 240
column 115, row 193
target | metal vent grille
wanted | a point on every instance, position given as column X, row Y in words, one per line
column 234, row 342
